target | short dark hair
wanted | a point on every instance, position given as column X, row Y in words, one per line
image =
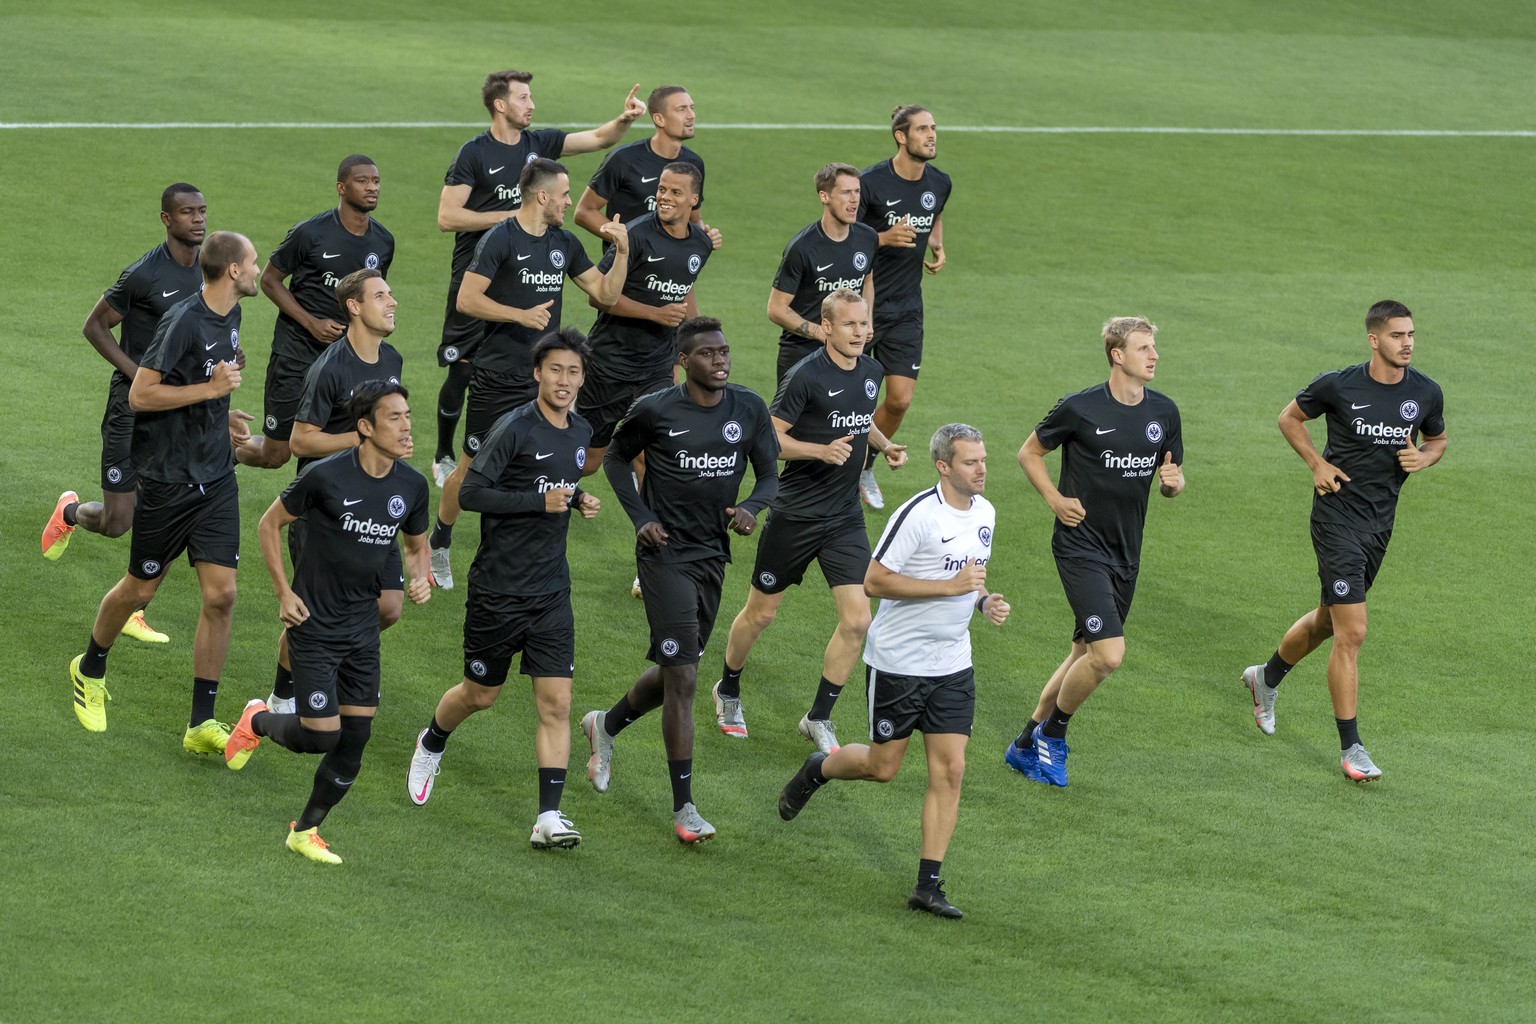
column 692, row 329
column 220, row 249
column 352, row 286
column 536, row 173
column 180, row 188
column 1387, row 309
column 901, row 117
column 497, row 83
column 687, row 170
column 655, row 103
column 366, row 396
column 355, row 160
column 826, row 178
column 566, row 339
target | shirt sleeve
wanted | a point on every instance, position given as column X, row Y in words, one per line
column 318, row 399
column 577, row 262
column 1315, row 398
column 1058, row 426
column 490, row 253
column 549, row 143
column 606, row 181
column 290, row 253
column 465, row 167
column 902, row 536
column 791, row 270
column 301, row 495
column 1433, row 423
column 1174, row 443
column 789, row 400
column 419, row 517
column 126, row 292
column 765, row 464
column 169, row 346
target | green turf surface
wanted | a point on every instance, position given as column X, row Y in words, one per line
column 1194, row 869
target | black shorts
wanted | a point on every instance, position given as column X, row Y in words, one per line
column 391, row 577
column 787, row 546
column 604, row 402
column 898, row 344
column 462, row 333
column 1100, row 596
column 330, row 670
column 900, row 705
column 497, row 626
column 491, row 397
column 792, row 352
column 1347, row 561
column 203, row 521
column 117, row 472
column 681, row 602
column 284, row 388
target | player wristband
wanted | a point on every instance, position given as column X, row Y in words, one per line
column 982, row 601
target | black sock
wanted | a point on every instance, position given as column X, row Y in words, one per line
column 1349, row 732
column 436, row 739
column 204, row 693
column 826, row 696
column 1056, row 725
column 619, row 716
column 551, row 785
column 928, row 873
column 450, row 406
column 288, row 732
column 1026, row 738
column 730, row 681
column 447, row 426
column 69, row 512
column 813, row 773
column 327, row 792
column 338, row 770
column 1274, row 670
column 282, row 684
column 94, row 664
column 442, row 535
column 682, row 782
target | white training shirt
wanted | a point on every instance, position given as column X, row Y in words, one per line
column 927, row 539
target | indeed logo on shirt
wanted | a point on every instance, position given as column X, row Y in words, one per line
column 514, row 193
column 544, row 279
column 853, row 284
column 854, row 422
column 1134, row 465
column 1381, row 432
column 672, row 288
column 369, row 532
column 703, row 462
column 544, row 483
column 918, row 223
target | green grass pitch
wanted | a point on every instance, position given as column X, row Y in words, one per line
column 1193, row 871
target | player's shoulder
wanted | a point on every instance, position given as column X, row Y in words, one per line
column 1159, row 400
column 184, row 313
column 688, row 156
column 390, row 358
column 379, row 231
column 1421, row 380
column 746, row 398
column 935, row 178
column 327, row 468
column 325, row 220
column 408, row 476
column 698, row 236
column 981, row 506
column 922, row 506
column 478, row 144
column 870, row 365
column 645, row 224
column 580, row 424
column 549, row 140
column 859, row 230
column 654, row 401
column 804, row 238
column 879, row 170
column 147, row 264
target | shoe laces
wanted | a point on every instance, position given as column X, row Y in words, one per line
column 314, row 837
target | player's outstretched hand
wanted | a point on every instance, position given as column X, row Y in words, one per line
column 420, row 590
column 1068, row 511
column 652, row 535
column 588, row 506
column 1411, row 458
column 971, row 579
column 634, row 106
column 901, row 235
column 896, row 455
column 291, row 609
column 616, row 233
column 715, row 238
column 239, row 433
column 558, row 499
column 936, row 264
column 225, row 378
column 742, row 521
column 995, row 610
column 537, row 317
column 1328, row 478
column 838, row 452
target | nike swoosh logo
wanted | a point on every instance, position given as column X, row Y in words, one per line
column 917, row 366
column 329, row 255
column 209, row 347
column 1352, row 405
column 820, row 269
column 676, row 433
column 647, row 181
column 166, row 295
column 350, row 503
column 946, row 540
column 521, row 258
column 892, row 202
column 1111, row 430
column 682, row 777
column 495, row 170
column 542, row 456
column 654, row 259
column 344, row 785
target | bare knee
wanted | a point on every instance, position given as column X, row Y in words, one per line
column 897, row 404
column 219, row 599
column 881, row 771
column 1106, row 661
column 760, row 616
column 477, row 697
column 948, row 774
column 1351, row 636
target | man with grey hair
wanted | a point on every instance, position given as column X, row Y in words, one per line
column 1114, row 438
column 930, row 573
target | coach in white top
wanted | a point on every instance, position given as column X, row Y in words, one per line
column 929, row 571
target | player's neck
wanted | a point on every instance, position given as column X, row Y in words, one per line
column 702, row 396
column 1383, row 372
column 221, row 296
column 1126, row 389
column 531, row 220
column 353, row 219
column 365, row 344
column 678, row 230
column 504, row 133
column 833, row 228
column 952, row 497
column 180, row 251
column 907, row 166
column 665, row 146
column 557, row 418
column 839, row 360
column 374, row 460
